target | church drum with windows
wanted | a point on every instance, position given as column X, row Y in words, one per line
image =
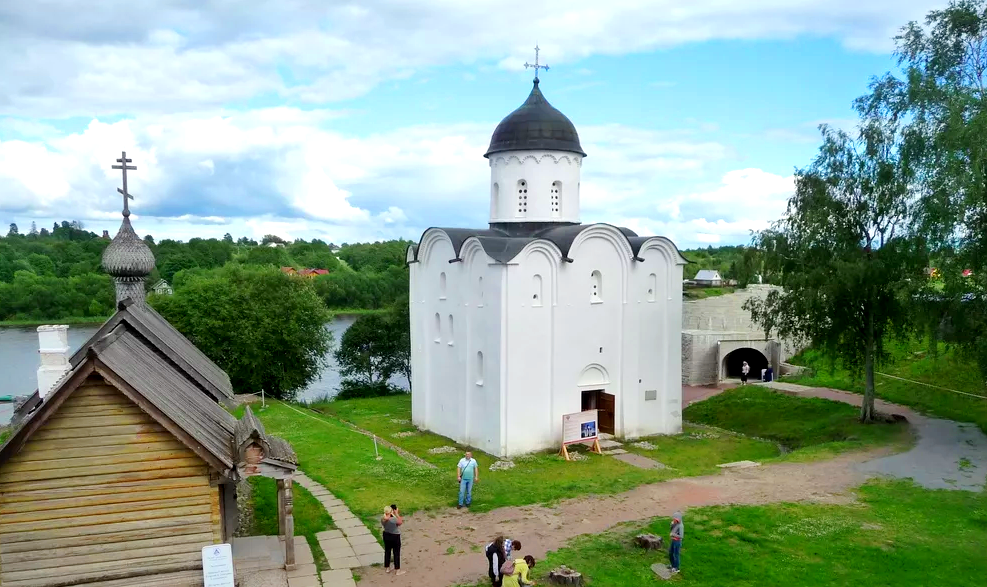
column 539, row 315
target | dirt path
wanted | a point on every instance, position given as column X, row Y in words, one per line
column 426, row 538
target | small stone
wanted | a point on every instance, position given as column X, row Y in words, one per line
column 644, row 444
column 739, row 465
column 399, row 421
column 405, row 434
column 502, row 466
column 442, row 450
column 663, row 571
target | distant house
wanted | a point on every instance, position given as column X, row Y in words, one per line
column 162, row 288
column 289, row 271
column 313, row 272
column 708, row 278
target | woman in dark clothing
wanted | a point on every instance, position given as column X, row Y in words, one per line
column 495, row 558
column 392, row 538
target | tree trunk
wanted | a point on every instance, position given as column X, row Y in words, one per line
column 867, row 407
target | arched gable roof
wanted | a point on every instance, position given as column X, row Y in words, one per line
column 504, row 241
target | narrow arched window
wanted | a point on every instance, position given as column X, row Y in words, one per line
column 479, row 292
column 536, row 290
column 495, row 200
column 556, row 199
column 522, row 197
column 652, row 287
column 479, row 368
column 442, row 285
column 596, row 287
column 452, row 331
column 438, row 328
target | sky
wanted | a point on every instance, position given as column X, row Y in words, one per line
column 364, row 121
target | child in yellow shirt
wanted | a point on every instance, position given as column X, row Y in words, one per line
column 520, row 575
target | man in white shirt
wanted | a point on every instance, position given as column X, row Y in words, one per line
column 468, row 473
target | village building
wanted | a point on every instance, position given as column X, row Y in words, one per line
column 539, row 315
column 163, row 288
column 708, row 278
column 123, row 464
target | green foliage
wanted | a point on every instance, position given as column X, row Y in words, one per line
column 375, row 256
column 795, row 422
column 31, row 297
column 884, row 540
column 939, row 100
column 362, row 289
column 266, row 329
column 265, row 255
column 847, row 260
column 372, row 351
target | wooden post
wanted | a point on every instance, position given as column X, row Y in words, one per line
column 289, row 526
column 280, row 484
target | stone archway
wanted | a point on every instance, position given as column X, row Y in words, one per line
column 734, row 360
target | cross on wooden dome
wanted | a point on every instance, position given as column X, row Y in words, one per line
column 124, row 167
column 536, row 67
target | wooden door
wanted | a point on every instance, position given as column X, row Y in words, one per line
column 605, row 403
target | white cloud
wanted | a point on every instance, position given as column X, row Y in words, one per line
column 256, row 172
column 108, row 58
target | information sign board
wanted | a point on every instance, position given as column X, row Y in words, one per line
column 217, row 565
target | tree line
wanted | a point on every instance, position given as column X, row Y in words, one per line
column 885, row 236
column 53, row 274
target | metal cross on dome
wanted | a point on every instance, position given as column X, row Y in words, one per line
column 124, row 167
column 536, row 67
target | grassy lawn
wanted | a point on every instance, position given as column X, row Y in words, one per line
column 910, row 362
column 310, row 516
column 343, row 460
column 699, row 293
column 898, row 534
column 812, row 425
column 70, row 321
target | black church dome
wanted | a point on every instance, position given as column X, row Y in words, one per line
column 536, row 125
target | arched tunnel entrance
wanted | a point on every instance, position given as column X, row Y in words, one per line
column 735, row 360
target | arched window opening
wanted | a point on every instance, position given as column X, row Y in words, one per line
column 522, row 197
column 556, row 199
column 495, row 200
column 536, row 291
column 479, row 292
column 438, row 328
column 452, row 331
column 442, row 285
column 596, row 287
column 479, row 368
column 652, row 287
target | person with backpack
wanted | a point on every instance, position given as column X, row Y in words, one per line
column 515, row 573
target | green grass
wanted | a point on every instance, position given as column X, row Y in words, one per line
column 822, row 425
column 343, row 460
column 70, row 321
column 910, row 362
column 898, row 534
column 356, row 311
column 699, row 293
column 310, row 516
column 5, row 433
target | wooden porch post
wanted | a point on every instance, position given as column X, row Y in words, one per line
column 280, row 484
column 289, row 526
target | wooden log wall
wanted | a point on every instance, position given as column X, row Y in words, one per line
column 100, row 492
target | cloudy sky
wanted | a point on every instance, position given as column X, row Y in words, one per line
column 353, row 121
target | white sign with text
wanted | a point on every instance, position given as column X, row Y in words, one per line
column 217, row 565
column 579, row 427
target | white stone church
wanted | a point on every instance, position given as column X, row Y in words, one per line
column 539, row 315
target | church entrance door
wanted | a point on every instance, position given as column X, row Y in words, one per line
column 605, row 404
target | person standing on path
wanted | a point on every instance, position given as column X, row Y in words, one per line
column 467, row 472
column 495, row 560
column 675, row 546
column 392, row 538
column 744, row 371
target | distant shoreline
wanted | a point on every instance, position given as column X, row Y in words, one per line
column 97, row 320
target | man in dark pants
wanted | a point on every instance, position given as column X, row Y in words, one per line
column 675, row 546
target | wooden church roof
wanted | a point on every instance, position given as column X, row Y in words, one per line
column 151, row 363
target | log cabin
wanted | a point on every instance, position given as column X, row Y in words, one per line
column 121, row 472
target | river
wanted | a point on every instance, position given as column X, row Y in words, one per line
column 19, row 362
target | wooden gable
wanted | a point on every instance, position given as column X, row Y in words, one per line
column 99, row 490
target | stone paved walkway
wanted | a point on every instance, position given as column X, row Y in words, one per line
column 351, row 546
column 259, row 562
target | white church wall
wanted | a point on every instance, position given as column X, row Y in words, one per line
column 589, row 323
column 529, row 326
column 449, row 330
column 482, row 391
column 534, row 186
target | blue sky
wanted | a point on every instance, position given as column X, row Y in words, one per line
column 368, row 120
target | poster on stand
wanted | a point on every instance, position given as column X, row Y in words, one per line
column 581, row 427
